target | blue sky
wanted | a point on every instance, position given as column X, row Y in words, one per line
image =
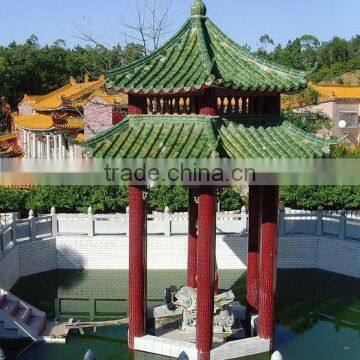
column 244, row 21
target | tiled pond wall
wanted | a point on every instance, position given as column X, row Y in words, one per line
column 29, row 257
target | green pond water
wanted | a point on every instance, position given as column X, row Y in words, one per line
column 317, row 313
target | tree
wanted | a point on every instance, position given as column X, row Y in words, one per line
column 265, row 41
column 151, row 25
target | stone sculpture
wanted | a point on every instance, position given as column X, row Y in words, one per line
column 185, row 299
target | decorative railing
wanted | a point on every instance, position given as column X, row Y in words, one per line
column 341, row 225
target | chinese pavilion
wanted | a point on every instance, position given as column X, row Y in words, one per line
column 52, row 125
column 203, row 96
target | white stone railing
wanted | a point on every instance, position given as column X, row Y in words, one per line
column 164, row 223
column 320, row 223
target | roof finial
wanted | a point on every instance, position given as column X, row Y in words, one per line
column 198, row 8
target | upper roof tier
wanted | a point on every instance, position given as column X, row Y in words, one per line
column 199, row 56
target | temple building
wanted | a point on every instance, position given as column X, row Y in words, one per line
column 340, row 103
column 202, row 96
column 51, row 125
column 9, row 147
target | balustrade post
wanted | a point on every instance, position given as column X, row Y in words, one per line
column 244, row 219
column 90, row 221
column 319, row 225
column 13, row 228
column 127, row 220
column 32, row 221
column 342, row 225
column 167, row 222
column 2, row 250
column 282, row 221
column 54, row 225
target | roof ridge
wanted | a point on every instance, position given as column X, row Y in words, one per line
column 258, row 58
column 203, row 46
column 133, row 64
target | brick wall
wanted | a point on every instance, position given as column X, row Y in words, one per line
column 9, row 269
column 37, row 256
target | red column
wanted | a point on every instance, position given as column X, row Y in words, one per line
column 137, row 105
column 206, row 271
column 192, row 239
column 137, row 264
column 252, row 280
column 267, row 285
column 207, row 103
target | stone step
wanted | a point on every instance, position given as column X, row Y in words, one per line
column 11, row 307
column 37, row 324
column 2, row 299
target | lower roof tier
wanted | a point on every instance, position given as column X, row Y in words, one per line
column 202, row 137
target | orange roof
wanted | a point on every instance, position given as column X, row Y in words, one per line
column 327, row 92
column 56, row 99
column 335, row 91
column 117, row 99
column 79, row 137
column 8, row 137
column 9, row 147
column 48, row 122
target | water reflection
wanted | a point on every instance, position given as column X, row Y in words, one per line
column 318, row 313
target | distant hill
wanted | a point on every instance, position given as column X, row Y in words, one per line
column 350, row 78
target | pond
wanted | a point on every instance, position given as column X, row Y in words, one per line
column 318, row 313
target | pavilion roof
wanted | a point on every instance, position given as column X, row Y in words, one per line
column 201, row 55
column 193, row 136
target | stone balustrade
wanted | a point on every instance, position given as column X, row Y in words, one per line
column 318, row 223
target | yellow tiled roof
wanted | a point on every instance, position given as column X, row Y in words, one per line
column 120, row 98
column 79, row 137
column 48, row 122
column 55, row 99
column 327, row 92
column 334, row 91
column 9, row 147
column 8, row 137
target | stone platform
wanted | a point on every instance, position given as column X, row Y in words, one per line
column 167, row 340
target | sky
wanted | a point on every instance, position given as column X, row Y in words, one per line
column 244, row 21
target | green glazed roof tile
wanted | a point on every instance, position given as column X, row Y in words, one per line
column 201, row 55
column 195, row 136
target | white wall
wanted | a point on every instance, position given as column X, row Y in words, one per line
column 294, row 251
column 111, row 252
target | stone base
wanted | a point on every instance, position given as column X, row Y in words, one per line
column 173, row 348
column 168, row 340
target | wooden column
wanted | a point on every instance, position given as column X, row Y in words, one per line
column 207, row 103
column 192, row 239
column 267, row 285
column 137, row 264
column 206, row 271
column 137, row 105
column 252, row 280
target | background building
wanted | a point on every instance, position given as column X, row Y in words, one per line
column 50, row 125
column 341, row 103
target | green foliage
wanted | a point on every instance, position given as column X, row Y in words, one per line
column 31, row 69
column 309, row 121
column 103, row 199
column 231, row 199
column 331, row 58
column 12, row 200
column 329, row 197
column 343, row 151
column 174, row 197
